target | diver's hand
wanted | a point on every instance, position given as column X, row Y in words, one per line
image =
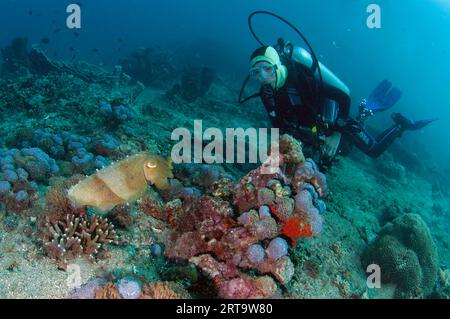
column 267, row 91
column 410, row 125
column 331, row 144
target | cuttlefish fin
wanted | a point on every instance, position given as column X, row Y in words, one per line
column 162, row 183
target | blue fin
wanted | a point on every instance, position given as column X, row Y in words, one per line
column 423, row 123
column 383, row 97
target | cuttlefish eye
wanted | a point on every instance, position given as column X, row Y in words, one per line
column 151, row 165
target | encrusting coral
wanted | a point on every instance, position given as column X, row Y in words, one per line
column 122, row 182
column 247, row 229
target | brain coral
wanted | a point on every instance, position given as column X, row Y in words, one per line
column 407, row 255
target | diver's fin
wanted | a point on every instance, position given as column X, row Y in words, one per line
column 391, row 98
column 411, row 125
column 422, row 123
column 380, row 90
column 383, row 97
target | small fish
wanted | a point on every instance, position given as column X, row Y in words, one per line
column 30, row 12
column 95, row 50
column 57, row 30
column 55, row 54
column 76, row 34
column 119, row 49
column 73, row 57
column 45, row 40
column 38, row 15
column 120, row 40
column 71, row 49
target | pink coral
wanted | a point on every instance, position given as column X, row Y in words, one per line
column 232, row 229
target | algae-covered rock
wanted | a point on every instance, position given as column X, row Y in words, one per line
column 407, row 255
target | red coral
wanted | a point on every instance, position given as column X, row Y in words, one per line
column 151, row 205
column 216, row 233
column 296, row 227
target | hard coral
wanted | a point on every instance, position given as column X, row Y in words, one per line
column 108, row 291
column 164, row 290
column 65, row 240
column 407, row 255
column 58, row 203
column 226, row 235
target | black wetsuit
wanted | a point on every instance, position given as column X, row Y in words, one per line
column 296, row 110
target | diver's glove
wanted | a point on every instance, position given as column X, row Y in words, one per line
column 348, row 125
column 267, row 91
column 406, row 124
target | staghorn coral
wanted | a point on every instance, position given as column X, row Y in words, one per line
column 123, row 181
column 58, row 203
column 77, row 235
column 164, row 290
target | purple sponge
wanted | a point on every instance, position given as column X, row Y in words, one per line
column 277, row 248
column 255, row 253
column 5, row 187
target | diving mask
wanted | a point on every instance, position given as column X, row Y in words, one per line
column 263, row 71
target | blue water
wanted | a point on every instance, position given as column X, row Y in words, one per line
column 411, row 49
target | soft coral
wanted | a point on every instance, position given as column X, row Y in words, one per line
column 296, row 227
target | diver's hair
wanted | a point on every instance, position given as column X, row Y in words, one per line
column 259, row 52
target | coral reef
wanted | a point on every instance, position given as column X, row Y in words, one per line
column 388, row 167
column 149, row 66
column 224, row 238
column 195, row 83
column 74, row 153
column 78, row 235
column 121, row 216
column 19, row 172
column 15, row 57
column 407, row 255
column 115, row 114
column 58, row 204
column 164, row 290
column 220, row 230
column 91, row 289
column 108, row 291
column 129, row 288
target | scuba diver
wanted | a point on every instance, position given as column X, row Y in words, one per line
column 306, row 100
